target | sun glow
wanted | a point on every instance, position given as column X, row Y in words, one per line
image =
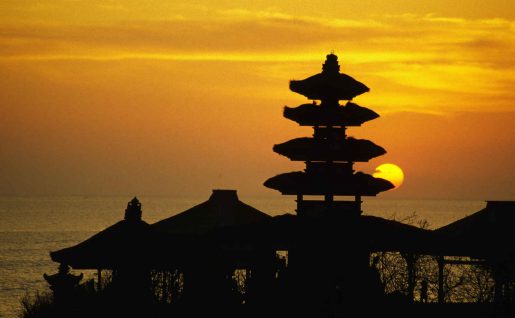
column 390, row 172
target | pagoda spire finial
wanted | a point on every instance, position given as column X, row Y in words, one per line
column 133, row 211
column 331, row 64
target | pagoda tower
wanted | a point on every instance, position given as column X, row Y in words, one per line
column 330, row 154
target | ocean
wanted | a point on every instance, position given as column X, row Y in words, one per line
column 30, row 227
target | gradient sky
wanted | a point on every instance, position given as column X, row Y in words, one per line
column 166, row 98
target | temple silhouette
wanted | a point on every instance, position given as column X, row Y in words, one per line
column 330, row 154
column 226, row 258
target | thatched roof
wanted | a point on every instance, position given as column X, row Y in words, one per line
column 331, row 182
column 368, row 233
column 330, row 84
column 314, row 115
column 485, row 234
column 316, row 149
column 129, row 242
column 390, row 235
column 223, row 209
column 122, row 243
column 225, row 224
column 134, row 243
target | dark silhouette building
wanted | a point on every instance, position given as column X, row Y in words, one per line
column 332, row 259
column 223, row 209
column 329, row 154
column 224, row 257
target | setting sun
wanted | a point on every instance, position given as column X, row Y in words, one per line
column 390, row 172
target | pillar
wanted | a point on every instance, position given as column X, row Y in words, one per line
column 99, row 279
column 441, row 294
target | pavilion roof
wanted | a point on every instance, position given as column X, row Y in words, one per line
column 394, row 236
column 121, row 243
column 129, row 242
column 223, row 209
column 369, row 233
column 487, row 233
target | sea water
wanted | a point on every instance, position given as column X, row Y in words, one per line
column 30, row 227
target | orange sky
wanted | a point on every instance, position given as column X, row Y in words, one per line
column 155, row 97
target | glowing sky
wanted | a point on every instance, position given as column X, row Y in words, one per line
column 157, row 97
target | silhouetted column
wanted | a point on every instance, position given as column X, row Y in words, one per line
column 441, row 299
column 498, row 283
column 410, row 262
column 99, row 279
column 300, row 198
column 358, row 201
column 63, row 283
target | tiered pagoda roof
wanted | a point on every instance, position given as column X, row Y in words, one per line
column 329, row 182
column 313, row 115
column 330, row 153
column 317, row 149
column 330, row 84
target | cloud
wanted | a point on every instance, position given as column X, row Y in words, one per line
column 271, row 35
column 422, row 54
column 173, row 37
column 119, row 95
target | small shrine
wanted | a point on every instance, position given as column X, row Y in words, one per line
column 330, row 153
column 63, row 282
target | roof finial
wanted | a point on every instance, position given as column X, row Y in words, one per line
column 133, row 211
column 331, row 64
